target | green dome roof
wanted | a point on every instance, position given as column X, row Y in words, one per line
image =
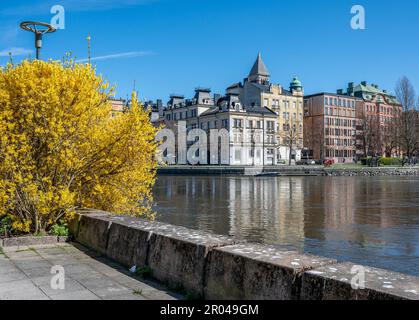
column 296, row 83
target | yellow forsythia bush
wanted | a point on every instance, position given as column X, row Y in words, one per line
column 60, row 148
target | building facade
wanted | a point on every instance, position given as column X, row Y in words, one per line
column 247, row 134
column 252, row 136
column 117, row 106
column 330, row 126
column 378, row 117
column 257, row 91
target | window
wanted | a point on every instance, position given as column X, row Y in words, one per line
column 237, row 123
column 294, row 104
column 238, row 155
column 265, row 102
column 270, row 125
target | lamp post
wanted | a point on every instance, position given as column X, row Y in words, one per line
column 39, row 29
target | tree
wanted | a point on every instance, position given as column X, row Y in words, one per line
column 60, row 149
column 291, row 137
column 370, row 133
column 408, row 132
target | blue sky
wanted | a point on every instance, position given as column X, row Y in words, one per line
column 173, row 46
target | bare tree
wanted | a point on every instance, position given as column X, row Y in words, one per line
column 391, row 136
column 408, row 133
column 370, row 133
column 291, row 138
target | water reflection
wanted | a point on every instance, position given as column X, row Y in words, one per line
column 370, row 220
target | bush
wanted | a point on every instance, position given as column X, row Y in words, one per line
column 60, row 149
column 60, row 230
column 366, row 161
column 390, row 161
column 6, row 229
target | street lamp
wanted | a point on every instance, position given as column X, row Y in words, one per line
column 39, row 29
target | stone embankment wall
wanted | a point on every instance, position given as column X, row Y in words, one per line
column 218, row 267
column 288, row 171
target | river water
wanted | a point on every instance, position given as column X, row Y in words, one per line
column 366, row 220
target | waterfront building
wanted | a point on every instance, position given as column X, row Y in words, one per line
column 330, row 126
column 378, row 119
column 250, row 132
column 257, row 91
column 181, row 109
column 155, row 109
column 117, row 105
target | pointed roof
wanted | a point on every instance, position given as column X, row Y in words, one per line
column 259, row 68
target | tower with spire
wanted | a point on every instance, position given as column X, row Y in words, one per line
column 259, row 73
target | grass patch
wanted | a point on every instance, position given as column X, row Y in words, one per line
column 137, row 292
column 347, row 166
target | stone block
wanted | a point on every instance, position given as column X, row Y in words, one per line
column 29, row 241
column 178, row 255
column 334, row 283
column 128, row 245
column 257, row 272
column 93, row 232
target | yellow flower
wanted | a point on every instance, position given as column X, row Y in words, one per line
column 60, row 149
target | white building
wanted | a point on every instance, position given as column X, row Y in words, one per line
column 250, row 132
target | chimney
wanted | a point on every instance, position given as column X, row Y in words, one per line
column 160, row 108
column 350, row 88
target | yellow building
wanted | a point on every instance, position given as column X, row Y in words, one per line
column 257, row 91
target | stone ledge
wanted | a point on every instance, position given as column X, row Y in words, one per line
column 253, row 271
column 219, row 267
column 334, row 283
column 32, row 241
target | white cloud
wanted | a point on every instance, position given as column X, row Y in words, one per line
column 131, row 54
column 15, row 52
column 73, row 5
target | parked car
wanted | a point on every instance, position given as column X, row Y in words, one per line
column 329, row 163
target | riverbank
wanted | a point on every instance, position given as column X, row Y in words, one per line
column 220, row 267
column 341, row 170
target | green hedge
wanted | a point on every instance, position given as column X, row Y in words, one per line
column 390, row 161
column 366, row 161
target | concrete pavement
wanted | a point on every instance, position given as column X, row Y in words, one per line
column 25, row 274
